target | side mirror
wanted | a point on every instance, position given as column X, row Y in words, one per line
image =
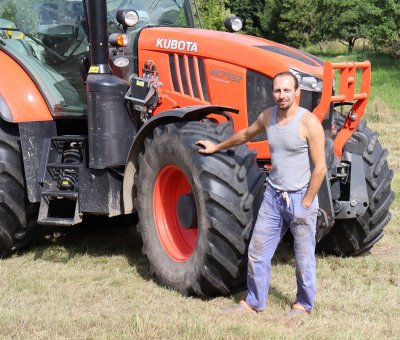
column 233, row 24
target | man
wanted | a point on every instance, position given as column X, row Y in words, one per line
column 296, row 140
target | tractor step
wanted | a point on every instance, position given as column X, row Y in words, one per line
column 56, row 221
column 62, row 166
column 61, row 194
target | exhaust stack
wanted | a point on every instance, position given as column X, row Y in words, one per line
column 111, row 129
column 98, row 36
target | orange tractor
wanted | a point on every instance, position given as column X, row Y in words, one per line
column 101, row 103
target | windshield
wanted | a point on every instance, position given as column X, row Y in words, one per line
column 154, row 12
column 49, row 36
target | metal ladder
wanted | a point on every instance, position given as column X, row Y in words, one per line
column 57, row 165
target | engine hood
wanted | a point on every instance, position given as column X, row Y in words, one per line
column 253, row 53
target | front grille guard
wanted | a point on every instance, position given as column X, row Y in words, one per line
column 347, row 93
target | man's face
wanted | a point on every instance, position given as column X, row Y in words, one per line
column 284, row 92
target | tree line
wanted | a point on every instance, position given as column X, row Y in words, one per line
column 300, row 23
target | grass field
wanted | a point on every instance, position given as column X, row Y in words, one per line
column 80, row 286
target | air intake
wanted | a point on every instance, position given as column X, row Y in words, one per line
column 188, row 76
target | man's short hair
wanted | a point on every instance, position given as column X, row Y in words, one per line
column 289, row 74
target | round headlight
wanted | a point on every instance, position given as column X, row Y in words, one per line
column 127, row 18
column 233, row 24
column 121, row 61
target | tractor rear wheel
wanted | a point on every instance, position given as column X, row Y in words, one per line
column 355, row 236
column 196, row 212
column 17, row 215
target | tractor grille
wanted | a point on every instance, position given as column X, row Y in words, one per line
column 188, row 76
column 259, row 97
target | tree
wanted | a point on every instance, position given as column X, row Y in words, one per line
column 213, row 13
column 386, row 27
column 256, row 15
column 8, row 10
column 345, row 20
column 22, row 13
column 295, row 21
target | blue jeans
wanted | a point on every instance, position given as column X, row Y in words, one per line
column 275, row 216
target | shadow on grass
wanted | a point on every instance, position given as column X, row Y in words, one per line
column 99, row 236
column 96, row 236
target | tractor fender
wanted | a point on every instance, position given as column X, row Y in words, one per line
column 20, row 98
column 189, row 113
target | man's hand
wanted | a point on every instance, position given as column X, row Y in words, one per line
column 239, row 138
column 306, row 204
column 208, row 147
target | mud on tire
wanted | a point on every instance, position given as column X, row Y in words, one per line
column 358, row 235
column 17, row 215
column 226, row 188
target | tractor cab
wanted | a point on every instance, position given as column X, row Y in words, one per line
column 50, row 37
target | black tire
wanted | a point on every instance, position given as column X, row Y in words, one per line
column 17, row 215
column 227, row 188
column 351, row 237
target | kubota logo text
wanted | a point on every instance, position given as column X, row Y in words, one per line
column 181, row 45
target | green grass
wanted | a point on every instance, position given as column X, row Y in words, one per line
column 384, row 103
column 93, row 284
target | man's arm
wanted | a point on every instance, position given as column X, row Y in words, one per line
column 240, row 137
column 316, row 146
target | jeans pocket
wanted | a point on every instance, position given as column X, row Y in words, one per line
column 302, row 215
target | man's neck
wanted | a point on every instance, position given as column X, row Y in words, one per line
column 288, row 113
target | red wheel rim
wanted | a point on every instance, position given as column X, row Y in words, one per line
column 179, row 243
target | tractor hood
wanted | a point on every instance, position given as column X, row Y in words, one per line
column 201, row 67
column 252, row 53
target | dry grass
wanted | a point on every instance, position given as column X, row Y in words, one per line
column 380, row 111
column 82, row 286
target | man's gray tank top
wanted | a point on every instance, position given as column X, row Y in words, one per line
column 291, row 168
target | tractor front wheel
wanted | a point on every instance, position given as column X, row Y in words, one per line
column 196, row 212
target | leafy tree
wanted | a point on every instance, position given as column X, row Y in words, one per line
column 23, row 13
column 345, row 20
column 295, row 21
column 386, row 26
column 8, row 10
column 256, row 15
column 213, row 13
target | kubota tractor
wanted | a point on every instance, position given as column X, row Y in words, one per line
column 101, row 103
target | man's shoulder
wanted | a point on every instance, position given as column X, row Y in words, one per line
column 270, row 109
column 311, row 123
column 267, row 113
column 309, row 118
